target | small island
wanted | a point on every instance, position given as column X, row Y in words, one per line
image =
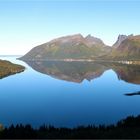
column 7, row 68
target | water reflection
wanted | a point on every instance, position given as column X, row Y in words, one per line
column 69, row 71
column 36, row 99
column 128, row 73
column 78, row 71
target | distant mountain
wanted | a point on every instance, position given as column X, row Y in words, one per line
column 69, row 47
column 129, row 49
column 76, row 47
column 120, row 39
column 90, row 41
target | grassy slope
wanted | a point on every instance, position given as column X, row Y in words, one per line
column 128, row 50
column 8, row 68
column 76, row 51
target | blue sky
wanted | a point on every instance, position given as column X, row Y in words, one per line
column 27, row 23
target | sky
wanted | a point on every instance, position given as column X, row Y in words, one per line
column 25, row 24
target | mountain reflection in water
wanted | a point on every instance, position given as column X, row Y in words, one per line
column 78, row 71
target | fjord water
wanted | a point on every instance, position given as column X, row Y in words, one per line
column 69, row 94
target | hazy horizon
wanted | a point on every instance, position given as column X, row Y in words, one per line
column 26, row 24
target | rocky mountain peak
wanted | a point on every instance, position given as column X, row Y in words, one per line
column 91, row 40
column 120, row 39
column 69, row 38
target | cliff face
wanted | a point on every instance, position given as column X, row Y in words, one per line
column 120, row 39
column 69, row 47
column 129, row 49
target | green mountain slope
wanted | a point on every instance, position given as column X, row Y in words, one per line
column 79, row 47
column 7, row 68
column 129, row 49
column 69, row 47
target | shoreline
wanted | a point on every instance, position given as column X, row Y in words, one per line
column 128, row 62
column 8, row 68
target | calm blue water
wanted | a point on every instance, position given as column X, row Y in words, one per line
column 35, row 98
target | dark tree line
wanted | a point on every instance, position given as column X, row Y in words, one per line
column 127, row 128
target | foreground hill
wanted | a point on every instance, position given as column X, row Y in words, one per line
column 7, row 68
column 129, row 49
column 127, row 128
column 69, row 47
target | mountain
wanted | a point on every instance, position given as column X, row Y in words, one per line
column 76, row 47
column 129, row 49
column 69, row 47
column 120, row 39
column 90, row 41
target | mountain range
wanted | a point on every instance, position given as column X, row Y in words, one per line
column 77, row 47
